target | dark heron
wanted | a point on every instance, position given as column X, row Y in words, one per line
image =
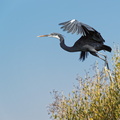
column 91, row 40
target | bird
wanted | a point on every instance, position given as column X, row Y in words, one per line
column 90, row 40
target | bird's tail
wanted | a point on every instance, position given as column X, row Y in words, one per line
column 83, row 55
column 107, row 48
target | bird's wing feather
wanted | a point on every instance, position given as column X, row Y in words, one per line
column 83, row 55
column 73, row 26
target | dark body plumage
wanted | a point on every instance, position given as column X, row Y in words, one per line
column 87, row 44
column 91, row 40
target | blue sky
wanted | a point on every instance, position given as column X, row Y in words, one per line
column 31, row 67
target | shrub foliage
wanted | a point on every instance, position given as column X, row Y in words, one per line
column 94, row 98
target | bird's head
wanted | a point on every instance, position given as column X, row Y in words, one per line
column 54, row 35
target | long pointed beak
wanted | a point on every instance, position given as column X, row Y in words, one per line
column 43, row 36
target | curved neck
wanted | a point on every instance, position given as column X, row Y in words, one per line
column 69, row 49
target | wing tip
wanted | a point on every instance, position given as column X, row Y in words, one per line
column 73, row 20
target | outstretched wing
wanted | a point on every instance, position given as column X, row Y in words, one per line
column 74, row 26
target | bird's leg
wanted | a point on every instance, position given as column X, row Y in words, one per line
column 102, row 54
column 101, row 58
column 95, row 54
column 106, row 62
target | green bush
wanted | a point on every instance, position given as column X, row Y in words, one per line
column 94, row 98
